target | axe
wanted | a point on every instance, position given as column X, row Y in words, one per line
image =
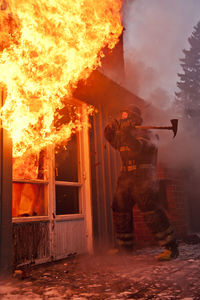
column 174, row 126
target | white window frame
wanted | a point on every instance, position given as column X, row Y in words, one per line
column 36, row 181
column 84, row 184
column 82, row 138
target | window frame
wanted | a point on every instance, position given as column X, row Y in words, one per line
column 51, row 181
column 44, row 182
column 79, row 183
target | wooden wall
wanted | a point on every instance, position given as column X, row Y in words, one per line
column 31, row 241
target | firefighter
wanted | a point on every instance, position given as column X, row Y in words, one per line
column 137, row 184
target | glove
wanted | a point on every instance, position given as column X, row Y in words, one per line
column 126, row 124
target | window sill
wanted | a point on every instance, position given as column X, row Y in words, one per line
column 30, row 219
column 68, row 183
column 69, row 217
column 30, row 181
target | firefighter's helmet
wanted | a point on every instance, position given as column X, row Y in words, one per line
column 133, row 113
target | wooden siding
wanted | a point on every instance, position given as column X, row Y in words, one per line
column 30, row 242
column 5, row 198
column 70, row 237
column 105, row 166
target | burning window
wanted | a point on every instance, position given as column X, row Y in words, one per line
column 46, row 48
column 30, row 174
column 30, row 185
column 67, row 168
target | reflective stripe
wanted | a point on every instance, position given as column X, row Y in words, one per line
column 131, row 168
column 128, row 168
column 161, row 235
column 124, row 235
column 121, row 242
column 168, row 239
column 124, row 148
column 150, row 212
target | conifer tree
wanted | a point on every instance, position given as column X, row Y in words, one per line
column 188, row 96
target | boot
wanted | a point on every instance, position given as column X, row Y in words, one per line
column 122, row 247
column 170, row 252
column 123, row 222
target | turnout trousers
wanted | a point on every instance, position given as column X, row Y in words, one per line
column 139, row 187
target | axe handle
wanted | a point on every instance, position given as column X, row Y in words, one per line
column 155, row 127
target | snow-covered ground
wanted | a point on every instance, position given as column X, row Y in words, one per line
column 137, row 276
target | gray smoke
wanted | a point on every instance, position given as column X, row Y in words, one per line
column 155, row 34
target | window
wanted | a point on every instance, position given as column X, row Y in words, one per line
column 67, row 171
column 30, row 185
column 33, row 176
column 67, row 200
column 66, row 161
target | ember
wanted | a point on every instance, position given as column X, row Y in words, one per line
column 46, row 48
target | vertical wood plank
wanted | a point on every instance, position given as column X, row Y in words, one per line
column 5, row 200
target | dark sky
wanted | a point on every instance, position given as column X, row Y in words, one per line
column 156, row 33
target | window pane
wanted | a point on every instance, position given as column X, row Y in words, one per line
column 29, row 200
column 66, row 161
column 30, row 166
column 67, row 200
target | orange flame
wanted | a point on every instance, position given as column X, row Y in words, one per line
column 46, row 47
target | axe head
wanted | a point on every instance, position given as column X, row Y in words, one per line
column 174, row 126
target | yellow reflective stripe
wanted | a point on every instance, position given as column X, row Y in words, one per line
column 168, row 239
column 162, row 234
column 128, row 168
column 124, row 235
column 121, row 242
column 131, row 168
column 124, row 148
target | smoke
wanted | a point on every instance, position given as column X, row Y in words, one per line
column 155, row 34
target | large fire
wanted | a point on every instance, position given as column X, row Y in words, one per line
column 46, row 47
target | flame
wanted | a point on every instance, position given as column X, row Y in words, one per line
column 46, row 47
